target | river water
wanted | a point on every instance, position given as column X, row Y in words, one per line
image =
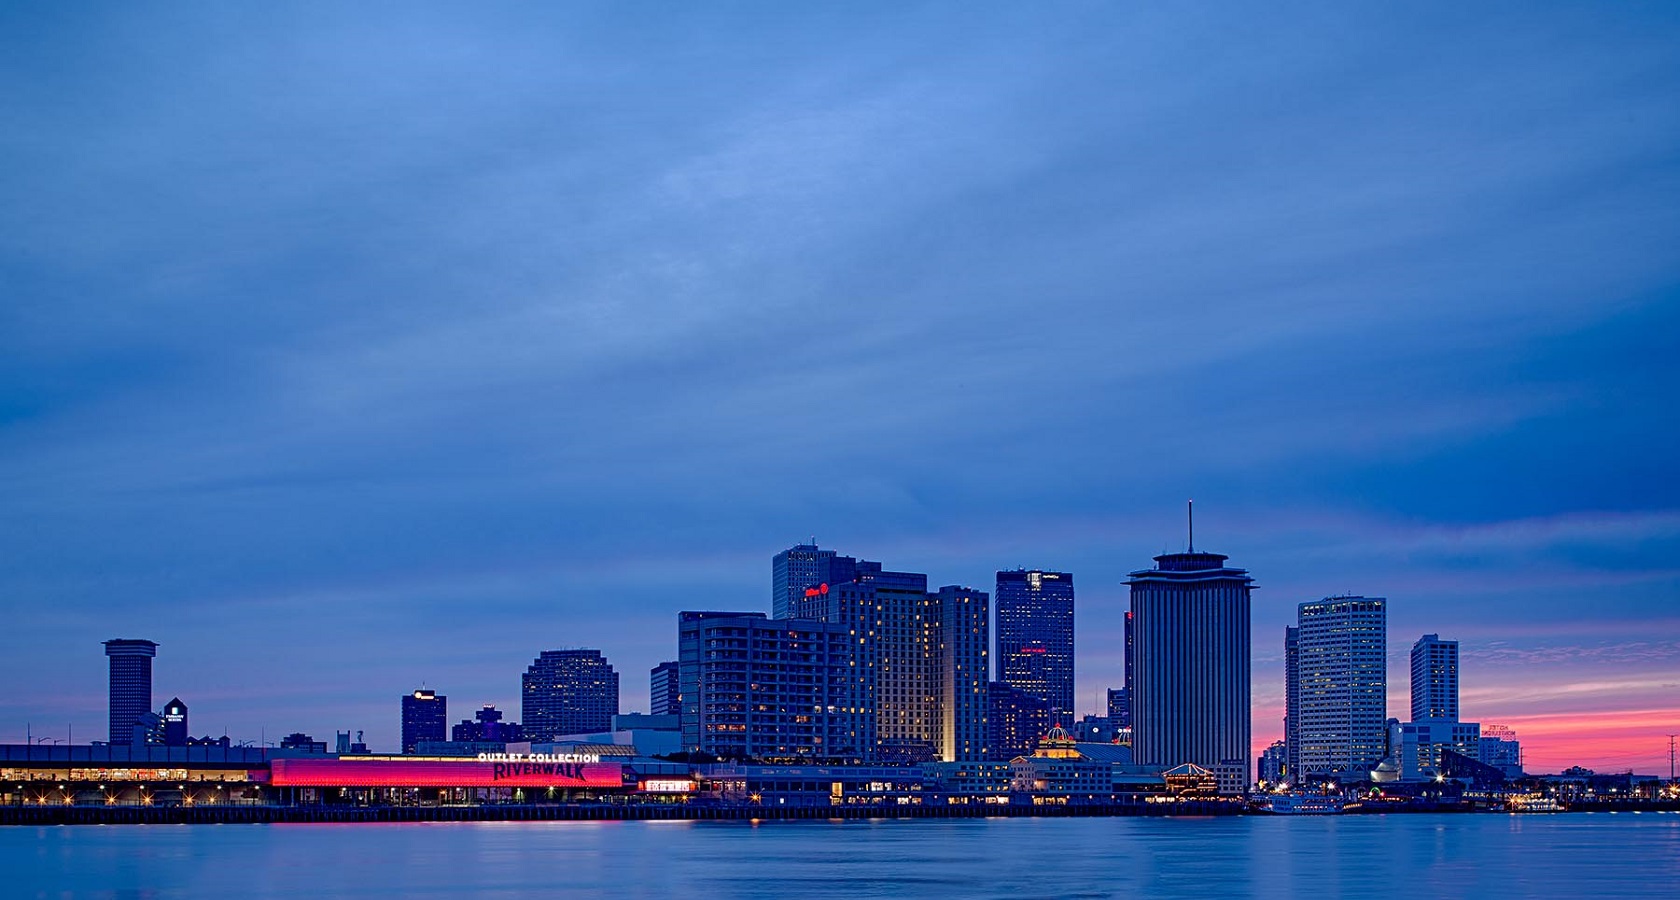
column 1410, row 856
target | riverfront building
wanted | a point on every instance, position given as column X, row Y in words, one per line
column 1190, row 693
column 1035, row 636
column 1336, row 675
column 568, row 692
column 131, row 685
column 425, row 717
column 770, row 689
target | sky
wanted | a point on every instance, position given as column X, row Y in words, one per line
column 351, row 348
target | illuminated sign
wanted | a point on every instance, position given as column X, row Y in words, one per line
column 398, row 772
column 817, row 591
column 668, row 785
column 540, row 757
column 1032, row 649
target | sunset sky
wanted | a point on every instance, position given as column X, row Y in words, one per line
column 349, row 348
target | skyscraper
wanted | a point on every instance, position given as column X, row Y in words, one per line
column 774, row 689
column 131, row 685
column 568, row 692
column 1035, row 636
column 1291, row 702
column 425, row 717
column 1336, row 676
column 1434, row 679
column 664, row 690
column 964, row 615
column 1190, row 694
column 800, row 568
column 921, row 659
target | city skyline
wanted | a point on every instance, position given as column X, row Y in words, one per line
column 345, row 350
column 1442, row 671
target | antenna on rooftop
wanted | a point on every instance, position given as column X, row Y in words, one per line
column 1190, row 513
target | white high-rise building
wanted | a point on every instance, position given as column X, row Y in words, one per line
column 1434, row 679
column 1338, row 691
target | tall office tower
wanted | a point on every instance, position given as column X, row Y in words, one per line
column 568, row 692
column 779, row 689
column 1291, row 702
column 664, row 691
column 425, row 717
column 962, row 671
column 1120, row 708
column 131, row 685
column 1434, row 679
column 1190, row 696
column 1338, row 697
column 916, row 657
column 1035, row 636
column 1128, row 684
column 1015, row 721
column 801, row 568
column 175, row 731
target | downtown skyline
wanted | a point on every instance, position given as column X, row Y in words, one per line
column 392, row 353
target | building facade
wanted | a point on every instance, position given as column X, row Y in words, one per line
column 770, row 689
column 1291, row 701
column 425, row 717
column 1190, row 689
column 131, row 685
column 1271, row 764
column 175, row 730
column 1035, row 636
column 921, row 660
column 1434, row 679
column 664, row 690
column 1015, row 721
column 1338, row 686
column 568, row 692
column 801, row 568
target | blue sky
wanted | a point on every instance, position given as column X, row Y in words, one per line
column 348, row 348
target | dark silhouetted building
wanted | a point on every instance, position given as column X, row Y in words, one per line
column 425, row 717
column 1190, row 689
column 769, row 689
column 297, row 740
column 664, row 690
column 131, row 685
column 175, row 732
column 802, row 568
column 1015, row 721
column 568, row 692
column 486, row 725
column 1035, row 636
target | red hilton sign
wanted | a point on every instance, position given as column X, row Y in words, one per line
column 398, row 772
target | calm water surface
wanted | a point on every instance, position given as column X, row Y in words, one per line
column 1408, row 856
